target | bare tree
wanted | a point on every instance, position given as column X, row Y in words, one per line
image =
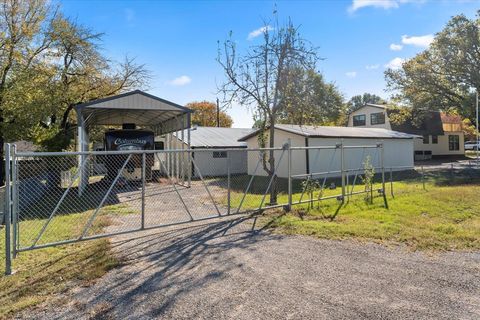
column 259, row 78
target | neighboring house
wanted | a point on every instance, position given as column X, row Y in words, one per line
column 212, row 162
column 398, row 149
column 442, row 134
column 370, row 116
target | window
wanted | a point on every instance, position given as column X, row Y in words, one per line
column 377, row 118
column 219, row 154
column 359, row 120
column 453, row 143
column 434, row 139
column 159, row 145
column 425, row 139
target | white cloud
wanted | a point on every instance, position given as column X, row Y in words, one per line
column 372, row 66
column 396, row 47
column 418, row 41
column 258, row 32
column 351, row 74
column 180, row 81
column 382, row 4
column 395, row 63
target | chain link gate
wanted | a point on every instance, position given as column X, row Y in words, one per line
column 46, row 203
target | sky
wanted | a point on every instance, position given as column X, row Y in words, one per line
column 178, row 40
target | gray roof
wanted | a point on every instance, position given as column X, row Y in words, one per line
column 338, row 132
column 213, row 137
column 137, row 107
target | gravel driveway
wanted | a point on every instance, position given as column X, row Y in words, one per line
column 229, row 270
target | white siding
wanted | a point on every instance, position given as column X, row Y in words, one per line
column 367, row 111
column 214, row 167
column 441, row 148
column 281, row 137
column 397, row 153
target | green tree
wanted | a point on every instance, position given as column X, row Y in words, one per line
column 359, row 101
column 310, row 100
column 442, row 76
column 24, row 37
column 259, row 79
column 205, row 115
column 48, row 64
column 81, row 74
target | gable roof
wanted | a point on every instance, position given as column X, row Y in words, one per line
column 433, row 123
column 99, row 103
column 337, row 132
column 214, row 137
column 136, row 106
column 379, row 106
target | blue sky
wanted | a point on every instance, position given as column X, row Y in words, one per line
column 177, row 41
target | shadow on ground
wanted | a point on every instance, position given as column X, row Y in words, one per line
column 233, row 269
column 164, row 258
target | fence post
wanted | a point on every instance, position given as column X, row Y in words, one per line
column 382, row 154
column 391, row 182
column 289, row 162
column 342, row 169
column 14, row 197
column 144, row 162
column 423, row 178
column 7, row 210
column 228, row 182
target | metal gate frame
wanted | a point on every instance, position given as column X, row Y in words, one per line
column 12, row 191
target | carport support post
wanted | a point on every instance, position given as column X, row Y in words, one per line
column 189, row 160
column 7, row 210
column 289, row 157
column 144, row 162
column 82, row 147
column 182, row 157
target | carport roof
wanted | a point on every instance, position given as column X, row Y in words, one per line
column 337, row 132
column 136, row 107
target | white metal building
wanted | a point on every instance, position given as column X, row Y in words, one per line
column 398, row 148
column 212, row 162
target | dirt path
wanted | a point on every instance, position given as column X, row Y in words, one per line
column 229, row 270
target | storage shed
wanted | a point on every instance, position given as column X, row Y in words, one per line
column 398, row 149
column 213, row 161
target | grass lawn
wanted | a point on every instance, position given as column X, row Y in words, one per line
column 445, row 216
column 41, row 273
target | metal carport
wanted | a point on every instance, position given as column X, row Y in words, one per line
column 141, row 108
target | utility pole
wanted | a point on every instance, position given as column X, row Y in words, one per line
column 218, row 113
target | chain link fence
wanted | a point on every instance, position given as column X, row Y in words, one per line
column 58, row 198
